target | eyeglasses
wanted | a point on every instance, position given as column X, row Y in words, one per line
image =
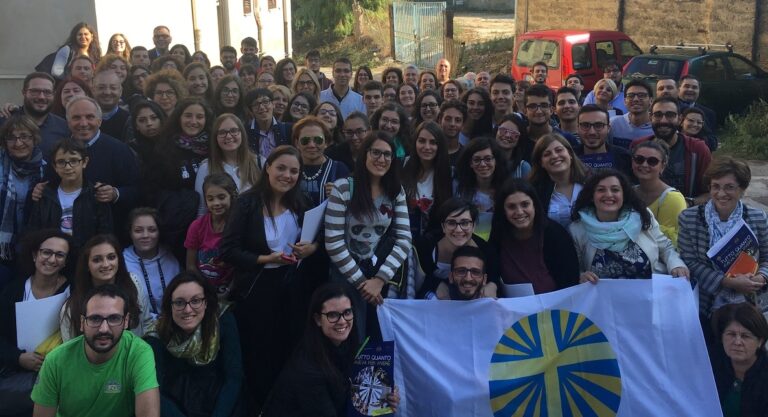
column 47, row 253
column 462, row 272
column 180, row 304
column 329, row 112
column 488, row 160
column 230, row 91
column 598, row 126
column 305, row 83
column 352, row 133
column 503, row 131
column 378, row 153
column 651, row 160
column 335, row 316
column 300, row 106
column 261, row 103
column 537, row 106
column 318, row 140
column 62, row 163
column 167, row 93
column 25, row 138
column 453, row 224
column 428, row 105
column 113, row 320
column 640, row 96
column 38, row 91
column 234, row 132
column 669, row 115
column 728, row 188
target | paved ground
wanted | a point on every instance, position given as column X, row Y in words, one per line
column 757, row 193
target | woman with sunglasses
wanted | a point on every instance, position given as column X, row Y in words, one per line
column 197, row 350
column 367, row 233
column 310, row 137
column 315, row 381
column 649, row 159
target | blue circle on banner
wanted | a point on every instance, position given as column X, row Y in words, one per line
column 554, row 363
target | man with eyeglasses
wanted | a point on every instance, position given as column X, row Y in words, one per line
column 340, row 92
column 265, row 133
column 106, row 371
column 161, row 37
column 538, row 111
column 611, row 71
column 636, row 122
column 37, row 90
column 689, row 158
column 467, row 276
column 594, row 151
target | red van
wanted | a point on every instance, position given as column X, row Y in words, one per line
column 571, row 51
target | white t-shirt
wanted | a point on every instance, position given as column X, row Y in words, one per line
column 284, row 232
column 67, row 201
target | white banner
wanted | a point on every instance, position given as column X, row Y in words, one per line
column 628, row 348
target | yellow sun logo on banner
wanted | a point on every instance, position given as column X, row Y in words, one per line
column 554, row 363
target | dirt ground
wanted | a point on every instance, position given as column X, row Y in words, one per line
column 479, row 27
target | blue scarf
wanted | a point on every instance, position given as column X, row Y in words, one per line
column 612, row 236
column 29, row 170
column 718, row 228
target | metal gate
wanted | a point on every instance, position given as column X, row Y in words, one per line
column 418, row 31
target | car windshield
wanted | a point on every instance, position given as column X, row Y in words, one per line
column 654, row 67
column 534, row 50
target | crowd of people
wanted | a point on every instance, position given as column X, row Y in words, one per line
column 166, row 198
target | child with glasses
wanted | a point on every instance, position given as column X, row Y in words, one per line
column 71, row 206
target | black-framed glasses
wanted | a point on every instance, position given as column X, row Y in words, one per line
column 378, row 153
column 25, row 138
column 335, row 316
column 428, row 105
column 180, row 304
column 329, row 112
column 113, row 320
column 462, row 272
column 598, row 126
column 488, row 160
column 62, row 163
column 453, row 224
column 352, row 133
column 318, row 140
column 669, row 115
column 47, row 253
column 538, row 106
column 300, row 106
column 167, row 93
column 652, row 161
column 261, row 103
column 633, row 96
column 223, row 133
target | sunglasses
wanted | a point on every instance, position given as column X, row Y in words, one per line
column 652, row 161
column 319, row 140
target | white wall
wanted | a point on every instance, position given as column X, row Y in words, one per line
column 30, row 30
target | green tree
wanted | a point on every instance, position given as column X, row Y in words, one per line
column 333, row 18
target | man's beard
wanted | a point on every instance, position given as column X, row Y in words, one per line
column 665, row 137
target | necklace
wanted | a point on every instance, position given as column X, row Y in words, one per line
column 316, row 174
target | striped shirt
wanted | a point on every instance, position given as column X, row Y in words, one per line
column 693, row 242
column 348, row 238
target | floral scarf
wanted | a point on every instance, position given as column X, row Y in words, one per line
column 191, row 347
column 197, row 144
column 29, row 170
column 718, row 228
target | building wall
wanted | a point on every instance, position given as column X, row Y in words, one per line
column 30, row 30
column 651, row 22
column 41, row 26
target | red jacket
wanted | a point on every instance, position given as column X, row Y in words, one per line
column 697, row 159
